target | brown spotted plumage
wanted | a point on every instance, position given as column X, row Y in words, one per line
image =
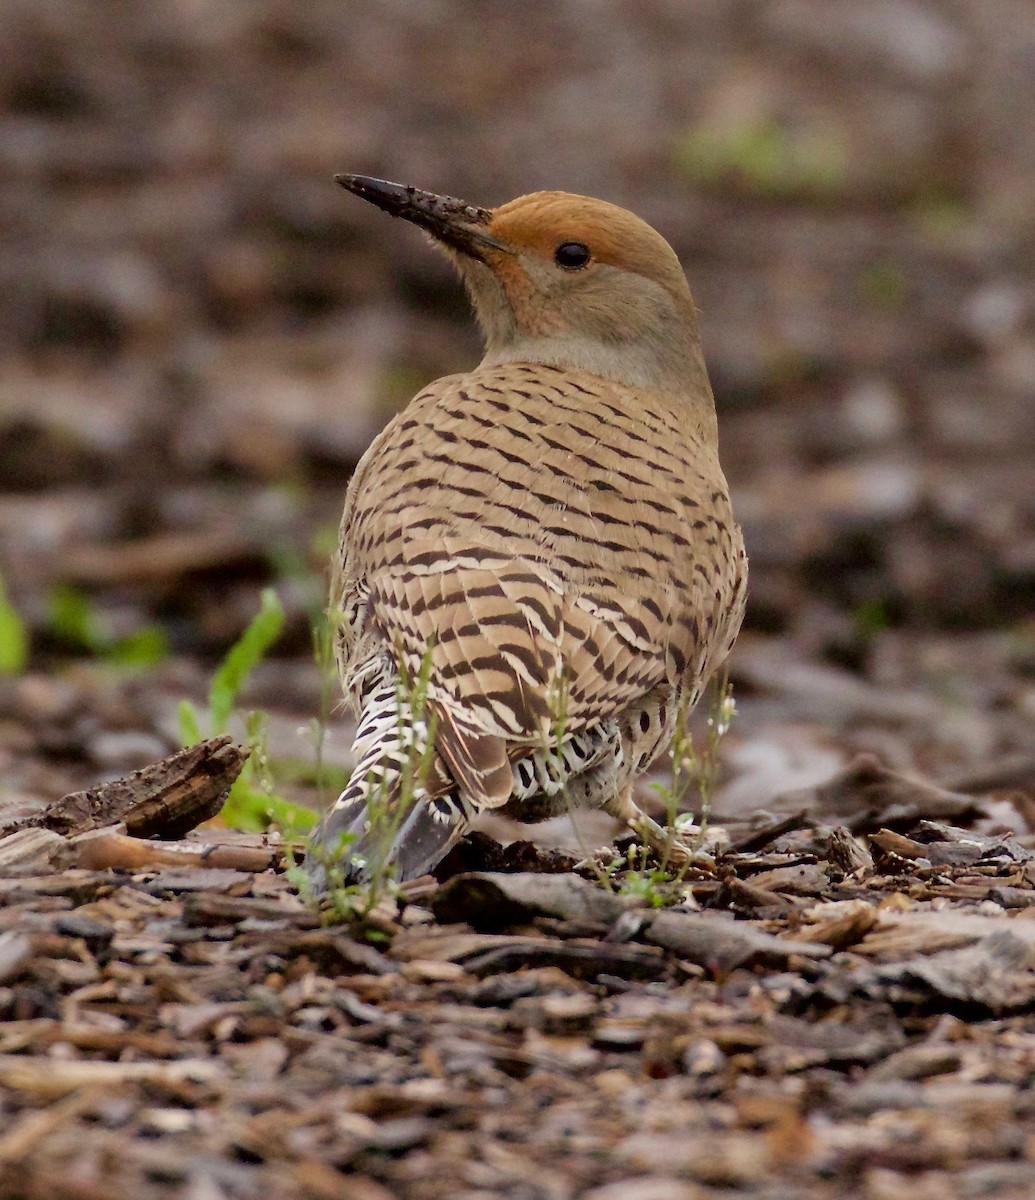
column 547, row 540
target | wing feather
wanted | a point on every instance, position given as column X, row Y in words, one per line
column 546, row 538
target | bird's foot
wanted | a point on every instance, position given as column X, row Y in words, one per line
column 676, row 845
column 674, row 848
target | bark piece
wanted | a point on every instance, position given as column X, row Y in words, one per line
column 1009, row 772
column 51, row 1077
column 803, row 879
column 581, row 958
column 211, row 880
column 996, row 973
column 165, row 800
column 15, row 954
column 477, row 852
column 847, row 929
column 898, row 846
column 758, row 839
column 867, row 795
column 98, row 850
column 488, row 900
column 848, row 852
column 212, row 908
column 828, row 1042
column 33, row 850
column 721, row 945
column 494, row 953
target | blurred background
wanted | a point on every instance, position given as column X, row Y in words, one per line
column 200, row 333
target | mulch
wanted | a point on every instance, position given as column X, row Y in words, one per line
column 839, row 1005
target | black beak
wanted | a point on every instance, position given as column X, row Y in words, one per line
column 462, row 226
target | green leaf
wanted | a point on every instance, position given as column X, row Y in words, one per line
column 245, row 654
column 73, row 619
column 870, row 618
column 190, row 726
column 146, row 647
column 14, row 638
column 254, row 810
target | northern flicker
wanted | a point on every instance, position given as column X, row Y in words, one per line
column 543, row 547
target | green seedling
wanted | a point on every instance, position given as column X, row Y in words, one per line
column 765, row 158
column 253, row 803
column 75, row 620
column 14, row 637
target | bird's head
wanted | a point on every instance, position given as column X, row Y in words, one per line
column 565, row 280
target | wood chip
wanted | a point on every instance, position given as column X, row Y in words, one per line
column 30, row 850
column 49, row 1077
column 101, row 850
column 15, row 952
column 720, row 945
column 163, row 800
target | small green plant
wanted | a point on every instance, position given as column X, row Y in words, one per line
column 942, row 215
column 655, row 886
column 870, row 618
column 241, row 659
column 325, row 625
column 75, row 620
column 766, row 158
column 14, row 637
column 252, row 803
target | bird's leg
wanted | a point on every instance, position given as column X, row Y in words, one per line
column 669, row 846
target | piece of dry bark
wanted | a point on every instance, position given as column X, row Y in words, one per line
column 15, row 952
column 848, row 852
column 166, row 799
column 51, row 1077
column 491, row 900
column 847, row 929
column 738, row 894
column 158, row 557
column 759, row 838
column 898, row 845
column 99, row 850
column 582, row 958
column 995, row 973
column 1012, row 771
column 33, row 850
column 867, row 795
column 721, row 945
column 800, row 879
column 495, row 953
column 477, row 852
column 41, row 1183
column 214, row 908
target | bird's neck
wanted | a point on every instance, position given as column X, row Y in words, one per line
column 680, row 378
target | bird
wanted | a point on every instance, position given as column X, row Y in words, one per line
column 538, row 568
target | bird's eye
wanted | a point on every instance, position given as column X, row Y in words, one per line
column 571, row 255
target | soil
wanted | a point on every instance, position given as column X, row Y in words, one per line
column 200, row 333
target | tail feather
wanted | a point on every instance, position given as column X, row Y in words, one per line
column 427, row 832
column 350, row 846
column 391, row 817
column 400, row 810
